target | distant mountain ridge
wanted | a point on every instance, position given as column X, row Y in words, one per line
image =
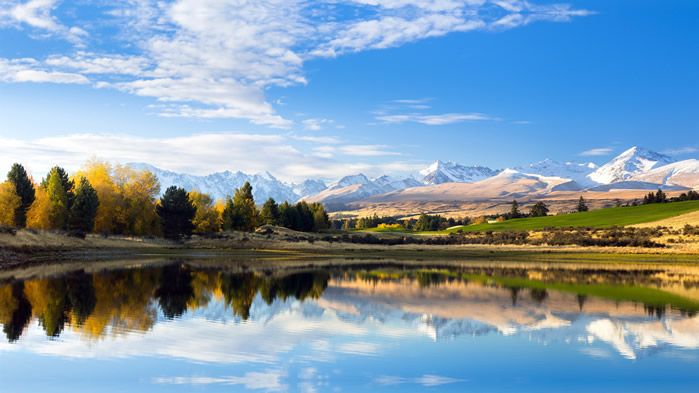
column 634, row 169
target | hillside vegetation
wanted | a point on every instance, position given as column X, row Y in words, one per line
column 602, row 218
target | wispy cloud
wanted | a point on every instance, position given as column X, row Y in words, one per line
column 523, row 122
column 316, row 124
column 603, row 151
column 199, row 154
column 318, row 139
column 446, row 118
column 681, row 150
column 216, row 59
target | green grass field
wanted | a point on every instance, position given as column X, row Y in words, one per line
column 615, row 216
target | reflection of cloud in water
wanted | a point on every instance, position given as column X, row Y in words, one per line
column 425, row 380
column 270, row 380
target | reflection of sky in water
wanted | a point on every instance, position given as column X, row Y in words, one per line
column 362, row 336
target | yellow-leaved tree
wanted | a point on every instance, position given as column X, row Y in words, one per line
column 99, row 174
column 9, row 202
column 208, row 216
column 38, row 216
column 139, row 190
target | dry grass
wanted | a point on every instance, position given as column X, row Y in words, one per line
column 677, row 222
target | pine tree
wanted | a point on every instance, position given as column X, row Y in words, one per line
column 176, row 212
column 321, row 220
column 582, row 207
column 539, row 210
column 58, row 215
column 514, row 212
column 24, row 187
column 68, row 185
column 240, row 213
column 84, row 210
column 270, row 212
column 660, row 197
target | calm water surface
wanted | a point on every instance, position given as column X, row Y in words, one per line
column 183, row 326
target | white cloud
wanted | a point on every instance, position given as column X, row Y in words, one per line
column 604, row 151
column 199, row 154
column 318, row 139
column 37, row 14
column 26, row 70
column 216, row 58
column 446, row 118
column 316, row 124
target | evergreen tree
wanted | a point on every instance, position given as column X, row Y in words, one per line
column 241, row 213
column 84, row 210
column 306, row 215
column 582, row 207
column 539, row 210
column 514, row 212
column 617, row 202
column 24, row 187
column 660, row 197
column 321, row 220
column 68, row 185
column 176, row 212
column 270, row 212
column 289, row 217
column 58, row 215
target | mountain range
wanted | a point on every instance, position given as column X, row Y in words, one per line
column 634, row 169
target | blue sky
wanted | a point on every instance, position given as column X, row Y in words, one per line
column 328, row 88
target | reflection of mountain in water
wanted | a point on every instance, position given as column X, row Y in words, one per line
column 543, row 304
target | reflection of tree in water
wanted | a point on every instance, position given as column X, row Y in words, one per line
column 175, row 290
column 15, row 310
column 81, row 297
column 514, row 291
column 581, row 301
column 538, row 295
column 654, row 311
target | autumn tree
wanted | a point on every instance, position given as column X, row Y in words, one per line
column 539, row 210
column 321, row 221
column 582, row 206
column 58, row 215
column 270, row 212
column 206, row 219
column 84, row 210
column 24, row 187
column 138, row 191
column 176, row 212
column 38, row 216
column 9, row 203
column 99, row 174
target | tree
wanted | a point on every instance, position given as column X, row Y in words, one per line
column 660, row 196
column 321, row 220
column 582, row 207
column 270, row 212
column 68, row 185
column 58, row 215
column 40, row 211
column 241, row 213
column 176, row 212
column 24, row 187
column 617, row 202
column 289, row 216
column 539, row 210
column 206, row 220
column 9, row 203
column 514, row 212
column 84, row 210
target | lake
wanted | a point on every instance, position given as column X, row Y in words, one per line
column 205, row 325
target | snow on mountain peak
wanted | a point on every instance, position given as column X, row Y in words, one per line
column 629, row 163
column 450, row 172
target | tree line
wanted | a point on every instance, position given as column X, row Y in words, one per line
column 115, row 199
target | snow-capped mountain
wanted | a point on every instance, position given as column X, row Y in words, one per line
column 309, row 187
column 572, row 170
column 357, row 187
column 683, row 173
column 450, row 172
column 632, row 162
column 221, row 184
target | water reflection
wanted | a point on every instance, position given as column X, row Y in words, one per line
column 183, row 311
